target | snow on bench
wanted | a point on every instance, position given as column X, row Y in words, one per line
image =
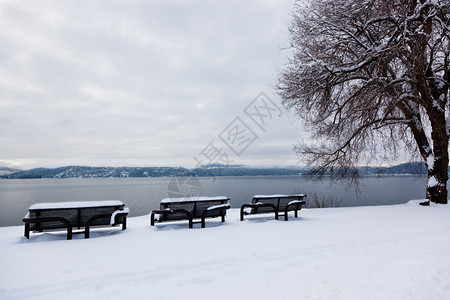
column 80, row 204
column 214, row 207
column 274, row 203
column 194, row 199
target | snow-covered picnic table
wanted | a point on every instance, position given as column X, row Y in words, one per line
column 274, row 203
column 190, row 208
column 58, row 215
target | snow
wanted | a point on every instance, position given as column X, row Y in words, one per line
column 76, row 204
column 437, row 106
column 296, row 202
column 248, row 210
column 278, row 196
column 378, row 252
column 430, row 162
column 227, row 205
column 432, row 181
column 188, row 199
column 157, row 216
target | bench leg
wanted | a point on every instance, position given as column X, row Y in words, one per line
column 152, row 219
column 297, row 208
column 40, row 220
column 86, row 232
column 256, row 206
column 203, row 222
column 27, row 230
column 91, row 220
column 124, row 223
column 242, row 211
column 69, row 232
column 167, row 212
column 287, row 212
column 221, row 210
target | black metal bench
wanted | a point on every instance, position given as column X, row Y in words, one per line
column 176, row 209
column 74, row 215
column 277, row 204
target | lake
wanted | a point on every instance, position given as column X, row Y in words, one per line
column 142, row 195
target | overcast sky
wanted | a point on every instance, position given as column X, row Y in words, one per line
column 143, row 83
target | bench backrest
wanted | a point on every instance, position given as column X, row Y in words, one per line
column 189, row 206
column 203, row 205
column 279, row 201
column 77, row 217
column 195, row 208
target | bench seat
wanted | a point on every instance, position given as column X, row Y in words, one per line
column 274, row 204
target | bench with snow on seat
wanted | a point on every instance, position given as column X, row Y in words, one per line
column 262, row 204
column 190, row 208
column 74, row 215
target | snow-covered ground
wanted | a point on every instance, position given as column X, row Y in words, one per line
column 383, row 252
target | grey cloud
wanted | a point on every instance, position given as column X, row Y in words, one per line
column 144, row 82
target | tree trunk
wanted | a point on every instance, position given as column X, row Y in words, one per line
column 438, row 171
column 437, row 187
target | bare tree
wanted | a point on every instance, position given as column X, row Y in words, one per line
column 370, row 78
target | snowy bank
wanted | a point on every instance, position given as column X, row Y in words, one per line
column 378, row 252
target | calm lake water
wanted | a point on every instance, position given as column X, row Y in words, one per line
column 142, row 195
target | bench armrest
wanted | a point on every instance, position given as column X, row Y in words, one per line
column 220, row 206
column 302, row 202
column 123, row 212
column 37, row 220
column 256, row 205
column 168, row 211
column 157, row 213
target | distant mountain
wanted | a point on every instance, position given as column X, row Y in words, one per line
column 5, row 170
column 104, row 172
column 408, row 168
column 240, row 170
column 413, row 168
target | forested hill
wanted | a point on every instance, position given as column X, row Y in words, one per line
column 104, row 172
column 211, row 170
